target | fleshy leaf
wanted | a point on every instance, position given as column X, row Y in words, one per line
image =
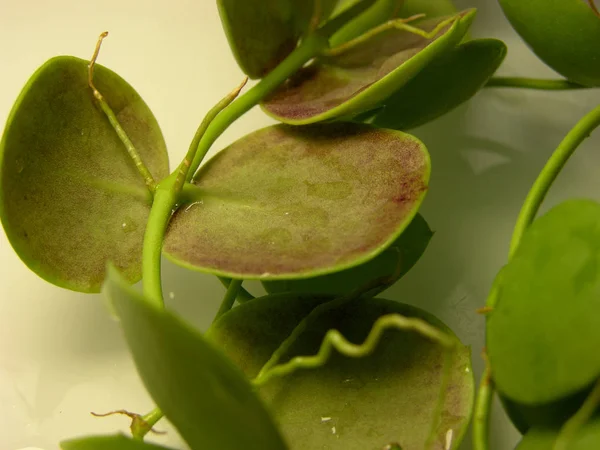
column 549, row 289
column 70, row 197
column 442, row 86
column 292, row 202
column 116, row 442
column 562, row 33
column 402, row 254
column 587, row 438
column 262, row 33
column 199, row 390
column 391, row 396
column 361, row 77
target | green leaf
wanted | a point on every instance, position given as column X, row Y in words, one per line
column 71, row 198
column 390, row 396
column 199, row 390
column 288, row 202
column 403, row 254
column 117, row 442
column 431, row 8
column 547, row 415
column 262, row 33
column 442, row 86
column 361, row 77
column 544, row 332
column 562, row 33
column 587, row 438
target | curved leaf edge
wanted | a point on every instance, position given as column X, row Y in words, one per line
column 414, row 319
column 338, row 268
column 33, row 264
column 460, row 26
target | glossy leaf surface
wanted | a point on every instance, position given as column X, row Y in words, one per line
column 443, row 85
column 587, row 438
column 396, row 260
column 299, row 202
column 262, row 33
column 544, row 332
column 563, row 33
column 390, row 396
column 199, row 390
column 116, row 442
column 361, row 77
column 71, row 199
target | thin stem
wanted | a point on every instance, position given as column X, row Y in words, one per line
column 483, row 405
column 335, row 340
column 529, row 210
column 579, row 419
column 243, row 295
column 398, row 24
column 150, row 420
column 160, row 214
column 112, row 118
column 533, row 83
column 311, row 46
column 230, row 296
column 540, row 188
column 184, row 168
column 380, row 11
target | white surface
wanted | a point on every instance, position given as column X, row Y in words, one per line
column 61, row 356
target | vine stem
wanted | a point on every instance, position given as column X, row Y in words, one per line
column 542, row 184
column 583, row 129
column 114, row 122
column 229, row 299
column 310, row 47
column 533, row 83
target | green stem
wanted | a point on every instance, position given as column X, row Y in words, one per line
column 540, row 188
column 140, row 428
column 483, row 405
column 579, row 419
column 312, row 46
column 230, row 296
column 377, row 13
column 160, row 214
column 533, row 83
column 243, row 295
column 529, row 210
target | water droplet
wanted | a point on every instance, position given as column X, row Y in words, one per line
column 325, row 419
column 19, row 165
column 265, row 274
column 333, row 430
column 82, row 132
column 128, row 225
column 467, row 370
column 171, row 295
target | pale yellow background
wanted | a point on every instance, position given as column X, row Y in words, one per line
column 62, row 356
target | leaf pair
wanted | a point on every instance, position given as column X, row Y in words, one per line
column 281, row 202
column 544, row 332
column 422, row 383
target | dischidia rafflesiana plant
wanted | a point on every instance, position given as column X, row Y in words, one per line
column 323, row 209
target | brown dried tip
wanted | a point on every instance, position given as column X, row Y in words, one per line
column 93, row 62
column 137, row 421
